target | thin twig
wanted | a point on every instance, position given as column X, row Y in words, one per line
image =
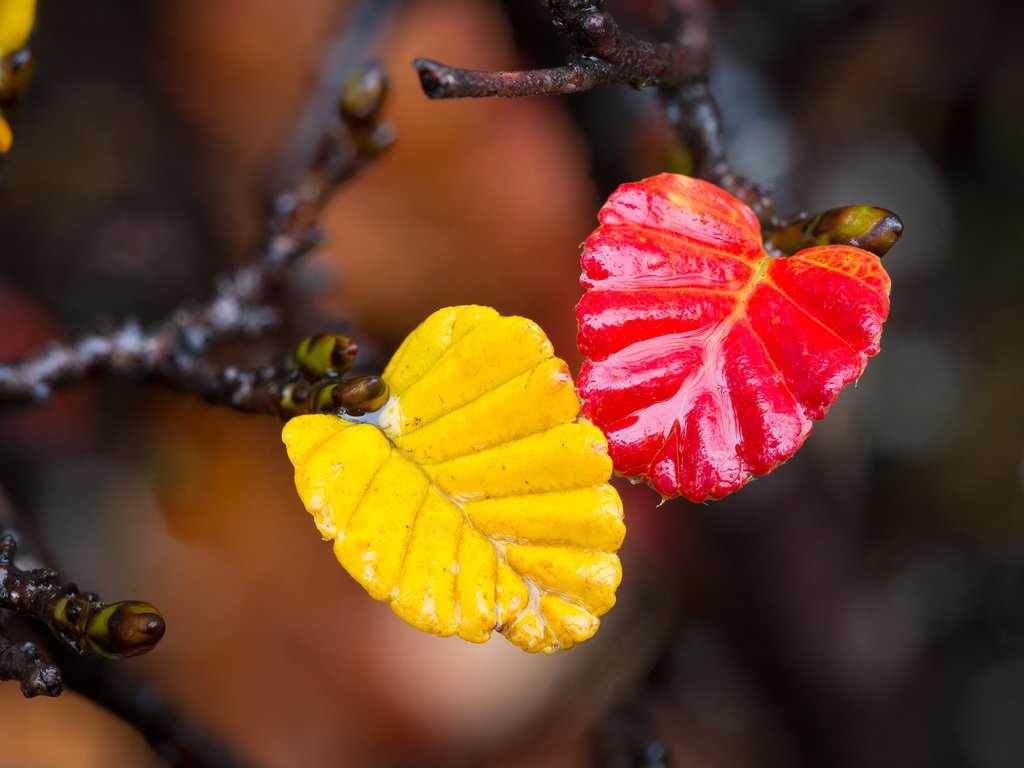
column 353, row 45
column 440, row 81
column 22, row 662
column 604, row 54
column 693, row 112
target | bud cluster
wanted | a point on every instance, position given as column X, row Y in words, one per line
column 320, row 363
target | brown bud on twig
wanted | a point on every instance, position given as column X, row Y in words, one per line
column 115, row 631
column 361, row 395
column 354, row 397
column 363, row 95
column 124, row 629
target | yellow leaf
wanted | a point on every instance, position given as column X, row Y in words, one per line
column 475, row 499
column 6, row 137
column 17, row 18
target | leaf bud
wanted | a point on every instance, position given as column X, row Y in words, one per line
column 863, row 226
column 114, row 631
column 123, row 629
column 354, row 397
column 325, row 355
column 292, row 400
column 362, row 394
column 320, row 398
column 363, row 94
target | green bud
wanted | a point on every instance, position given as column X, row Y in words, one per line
column 124, row 629
column 67, row 618
column 114, row 631
column 321, row 397
column 873, row 229
column 361, row 99
column 293, row 399
column 363, row 94
column 325, row 355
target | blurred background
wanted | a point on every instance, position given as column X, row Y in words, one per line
column 862, row 606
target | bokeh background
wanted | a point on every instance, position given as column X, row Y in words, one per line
column 862, row 606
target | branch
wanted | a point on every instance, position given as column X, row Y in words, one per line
column 281, row 392
column 693, row 112
column 603, row 54
column 77, row 619
column 173, row 352
column 21, row 661
column 353, row 44
column 440, row 81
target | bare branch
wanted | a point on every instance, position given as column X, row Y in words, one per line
column 21, row 661
column 604, row 55
column 353, row 45
column 173, row 352
column 77, row 619
column 440, row 81
column 694, row 114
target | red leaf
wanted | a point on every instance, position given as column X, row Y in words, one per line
column 707, row 359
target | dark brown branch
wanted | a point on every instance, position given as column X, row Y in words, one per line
column 249, row 391
column 604, row 55
column 693, row 112
column 279, row 392
column 22, row 662
column 440, row 81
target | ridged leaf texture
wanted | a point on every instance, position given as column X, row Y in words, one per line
column 476, row 499
column 707, row 358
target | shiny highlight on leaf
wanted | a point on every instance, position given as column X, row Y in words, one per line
column 708, row 359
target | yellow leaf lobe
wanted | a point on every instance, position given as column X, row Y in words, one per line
column 476, row 499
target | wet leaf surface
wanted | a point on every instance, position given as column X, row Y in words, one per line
column 708, row 359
